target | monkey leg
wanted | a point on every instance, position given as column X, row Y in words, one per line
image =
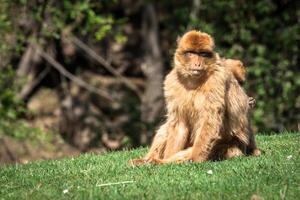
column 159, row 143
column 246, row 142
column 179, row 157
column 232, row 151
column 157, row 148
column 227, row 151
column 252, row 149
column 170, row 139
column 207, row 134
column 177, row 138
column 222, row 152
column 206, row 139
column 202, row 147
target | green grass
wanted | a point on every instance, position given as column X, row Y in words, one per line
column 274, row 175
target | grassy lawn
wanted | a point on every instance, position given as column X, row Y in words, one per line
column 274, row 175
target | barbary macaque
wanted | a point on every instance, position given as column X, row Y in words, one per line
column 207, row 109
column 236, row 67
column 239, row 72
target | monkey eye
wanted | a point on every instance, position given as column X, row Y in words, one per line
column 206, row 54
column 189, row 53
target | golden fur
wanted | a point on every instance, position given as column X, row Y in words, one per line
column 237, row 68
column 207, row 109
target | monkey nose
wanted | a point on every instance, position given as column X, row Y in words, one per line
column 197, row 65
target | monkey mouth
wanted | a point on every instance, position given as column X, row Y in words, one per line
column 196, row 71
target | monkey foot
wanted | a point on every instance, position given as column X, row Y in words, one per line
column 144, row 161
column 256, row 152
column 233, row 152
column 138, row 162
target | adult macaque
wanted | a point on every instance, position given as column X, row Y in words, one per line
column 207, row 109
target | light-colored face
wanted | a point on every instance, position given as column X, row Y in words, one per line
column 194, row 53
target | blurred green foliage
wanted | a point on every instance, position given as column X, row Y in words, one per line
column 12, row 110
column 264, row 34
column 48, row 20
column 10, row 107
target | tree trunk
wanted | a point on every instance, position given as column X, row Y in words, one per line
column 152, row 101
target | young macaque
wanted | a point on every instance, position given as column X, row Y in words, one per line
column 207, row 109
column 239, row 72
column 236, row 67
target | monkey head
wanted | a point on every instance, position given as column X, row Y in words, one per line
column 237, row 68
column 194, row 55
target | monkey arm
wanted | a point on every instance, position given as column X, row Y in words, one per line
column 209, row 132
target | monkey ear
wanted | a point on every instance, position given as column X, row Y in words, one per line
column 178, row 40
column 213, row 43
column 218, row 59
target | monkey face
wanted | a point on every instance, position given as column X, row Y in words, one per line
column 195, row 53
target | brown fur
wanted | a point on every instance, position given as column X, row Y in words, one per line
column 207, row 109
column 239, row 72
column 237, row 68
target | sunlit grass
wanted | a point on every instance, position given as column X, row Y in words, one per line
column 274, row 175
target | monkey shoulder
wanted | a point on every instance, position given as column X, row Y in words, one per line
column 176, row 96
column 171, row 83
column 170, row 77
column 219, row 79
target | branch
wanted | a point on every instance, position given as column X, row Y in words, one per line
column 117, row 183
column 70, row 76
column 195, row 9
column 25, row 65
column 152, row 101
column 105, row 64
column 27, row 89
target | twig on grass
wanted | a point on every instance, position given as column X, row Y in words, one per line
column 116, row 183
column 283, row 192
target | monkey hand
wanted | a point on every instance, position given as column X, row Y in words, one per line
column 252, row 102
